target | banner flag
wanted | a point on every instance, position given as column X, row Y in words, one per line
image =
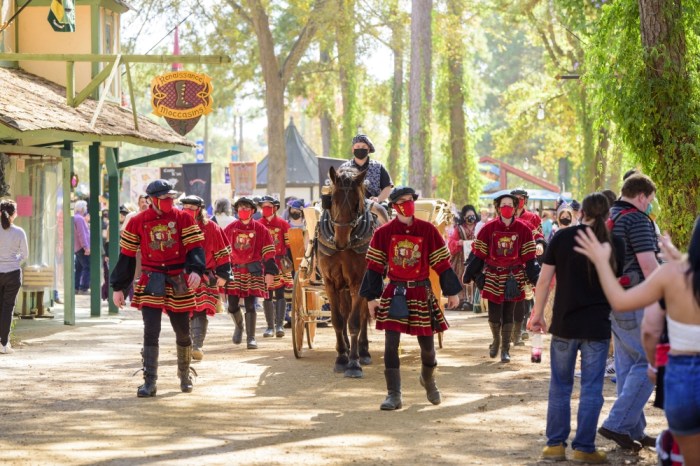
column 62, row 15
column 174, row 176
column 197, row 179
column 324, row 166
column 243, row 178
column 139, row 178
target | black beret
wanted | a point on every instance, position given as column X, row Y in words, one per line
column 245, row 200
column 519, row 192
column 192, row 200
column 123, row 210
column 159, row 188
column 511, row 196
column 399, row 191
column 269, row 199
column 365, row 139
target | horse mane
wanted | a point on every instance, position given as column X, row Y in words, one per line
column 346, row 177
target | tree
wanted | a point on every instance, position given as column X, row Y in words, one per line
column 420, row 96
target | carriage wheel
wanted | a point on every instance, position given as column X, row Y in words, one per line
column 440, row 339
column 311, row 333
column 297, row 317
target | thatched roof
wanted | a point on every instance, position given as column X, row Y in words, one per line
column 32, row 105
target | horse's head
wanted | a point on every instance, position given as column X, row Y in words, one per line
column 347, row 202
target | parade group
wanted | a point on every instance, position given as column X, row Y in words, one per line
column 563, row 276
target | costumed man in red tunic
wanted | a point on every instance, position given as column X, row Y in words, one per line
column 408, row 248
column 218, row 271
column 523, row 308
column 278, row 228
column 172, row 261
column 254, row 268
column 502, row 263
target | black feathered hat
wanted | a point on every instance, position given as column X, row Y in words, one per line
column 497, row 201
column 399, row 191
column 245, row 200
column 271, row 200
column 191, row 199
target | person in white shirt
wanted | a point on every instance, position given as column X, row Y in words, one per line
column 13, row 251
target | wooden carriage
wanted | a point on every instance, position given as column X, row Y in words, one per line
column 309, row 301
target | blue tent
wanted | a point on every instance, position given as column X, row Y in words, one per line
column 533, row 194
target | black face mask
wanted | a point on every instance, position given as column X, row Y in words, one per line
column 295, row 215
column 471, row 218
column 360, row 153
column 566, row 221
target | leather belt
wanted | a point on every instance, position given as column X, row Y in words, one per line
column 504, row 269
column 415, row 284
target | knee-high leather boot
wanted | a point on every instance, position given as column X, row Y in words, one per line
column 184, row 357
column 516, row 336
column 198, row 329
column 269, row 309
column 149, row 357
column 427, row 380
column 393, row 386
column 279, row 317
column 250, row 318
column 496, row 332
column 237, row 318
column 506, row 332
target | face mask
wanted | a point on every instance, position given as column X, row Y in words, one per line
column 267, row 211
column 164, row 205
column 648, row 209
column 245, row 214
column 406, row 209
column 360, row 153
column 191, row 213
column 521, row 203
column 471, row 218
column 295, row 215
column 566, row 221
column 507, row 211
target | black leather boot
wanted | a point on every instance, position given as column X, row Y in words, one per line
column 279, row 317
column 496, row 332
column 250, row 318
column 184, row 357
column 393, row 386
column 269, row 309
column 506, row 332
column 516, row 336
column 237, row 318
column 427, row 380
column 149, row 357
column 198, row 329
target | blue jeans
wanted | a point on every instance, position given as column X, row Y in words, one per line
column 633, row 386
column 682, row 394
column 564, row 351
column 82, row 271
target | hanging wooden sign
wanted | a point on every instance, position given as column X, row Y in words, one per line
column 181, row 97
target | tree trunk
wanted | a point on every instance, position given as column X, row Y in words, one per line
column 458, row 141
column 277, row 152
column 397, row 48
column 671, row 164
column 346, row 40
column 326, row 118
column 420, row 96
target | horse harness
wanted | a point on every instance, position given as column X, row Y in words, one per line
column 363, row 227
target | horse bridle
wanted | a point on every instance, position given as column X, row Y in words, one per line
column 346, row 200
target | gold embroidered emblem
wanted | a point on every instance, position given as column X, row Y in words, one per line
column 406, row 254
column 243, row 241
column 161, row 238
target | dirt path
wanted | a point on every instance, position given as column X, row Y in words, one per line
column 68, row 398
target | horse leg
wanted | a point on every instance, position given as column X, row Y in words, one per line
column 354, row 369
column 339, row 325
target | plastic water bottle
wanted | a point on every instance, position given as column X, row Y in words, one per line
column 536, row 347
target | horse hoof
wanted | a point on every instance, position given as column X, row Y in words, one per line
column 365, row 360
column 354, row 373
column 339, row 368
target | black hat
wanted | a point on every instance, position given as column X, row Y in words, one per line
column 123, row 210
column 512, row 196
column 520, row 192
column 270, row 199
column 365, row 139
column 399, row 191
column 245, row 200
column 575, row 205
column 191, row 199
column 159, row 188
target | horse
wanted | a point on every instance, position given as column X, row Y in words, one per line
column 344, row 232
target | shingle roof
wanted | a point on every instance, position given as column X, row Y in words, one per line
column 31, row 103
column 302, row 162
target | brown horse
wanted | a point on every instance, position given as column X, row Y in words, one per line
column 344, row 232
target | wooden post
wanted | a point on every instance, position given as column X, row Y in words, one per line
column 68, row 270
column 95, row 230
column 111, row 160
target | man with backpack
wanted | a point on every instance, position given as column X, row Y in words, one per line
column 629, row 219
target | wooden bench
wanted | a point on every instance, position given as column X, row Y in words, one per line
column 34, row 281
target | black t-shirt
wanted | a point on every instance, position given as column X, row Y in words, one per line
column 580, row 308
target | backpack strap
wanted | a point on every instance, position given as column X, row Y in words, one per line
column 610, row 223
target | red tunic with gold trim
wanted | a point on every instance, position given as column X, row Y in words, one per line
column 279, row 228
column 251, row 245
column 504, row 249
column 218, row 254
column 409, row 251
column 534, row 222
column 165, row 240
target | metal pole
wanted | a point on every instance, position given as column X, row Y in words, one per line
column 112, row 159
column 95, row 230
column 68, row 269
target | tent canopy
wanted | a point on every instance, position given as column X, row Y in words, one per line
column 533, row 194
column 302, row 162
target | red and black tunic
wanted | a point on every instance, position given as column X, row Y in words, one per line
column 279, row 229
column 408, row 252
column 535, row 223
column 252, row 256
column 170, row 243
column 505, row 249
column 218, row 260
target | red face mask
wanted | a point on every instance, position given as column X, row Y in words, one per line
column 507, row 211
column 164, row 205
column 407, row 208
column 267, row 211
column 191, row 213
column 521, row 203
column 245, row 214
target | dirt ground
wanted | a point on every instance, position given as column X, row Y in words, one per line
column 68, row 397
